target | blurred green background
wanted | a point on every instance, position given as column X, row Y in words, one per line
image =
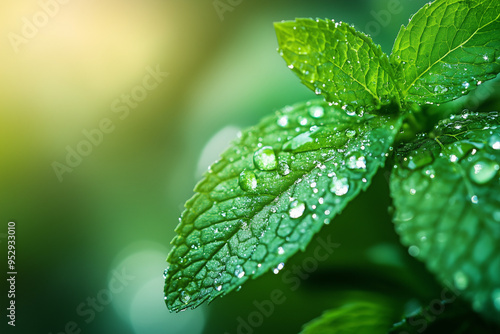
column 115, row 212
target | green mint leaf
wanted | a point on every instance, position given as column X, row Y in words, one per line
column 357, row 317
column 445, row 189
column 335, row 60
column 448, row 48
column 271, row 191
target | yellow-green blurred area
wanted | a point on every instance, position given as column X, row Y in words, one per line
column 91, row 239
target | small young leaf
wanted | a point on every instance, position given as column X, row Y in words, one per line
column 446, row 193
column 335, row 60
column 448, row 48
column 357, row 317
column 272, row 190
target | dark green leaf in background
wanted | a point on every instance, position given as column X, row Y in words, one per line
column 271, row 191
column 353, row 318
column 448, row 48
column 446, row 190
column 335, row 60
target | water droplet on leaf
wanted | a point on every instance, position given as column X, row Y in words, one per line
column 414, row 250
column 460, row 280
column 316, row 111
column 474, row 199
column 185, row 297
column 283, row 168
column 297, row 208
column 302, row 120
column 350, row 133
column 356, row 161
column 247, row 180
column 279, row 267
column 418, row 160
column 284, row 161
column 265, row 159
column 483, row 171
column 440, row 89
column 339, row 185
column 282, row 121
column 238, row 272
column 494, row 142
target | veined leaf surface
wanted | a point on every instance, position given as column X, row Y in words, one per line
column 358, row 317
column 448, row 48
column 335, row 60
column 271, row 191
column 446, row 190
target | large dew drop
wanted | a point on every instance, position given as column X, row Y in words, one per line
column 297, row 209
column 494, row 142
column 248, row 180
column 265, row 159
column 316, row 111
column 483, row 171
column 339, row 186
column 356, row 161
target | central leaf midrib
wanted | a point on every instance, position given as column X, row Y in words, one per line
column 447, row 53
column 265, row 205
column 358, row 82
